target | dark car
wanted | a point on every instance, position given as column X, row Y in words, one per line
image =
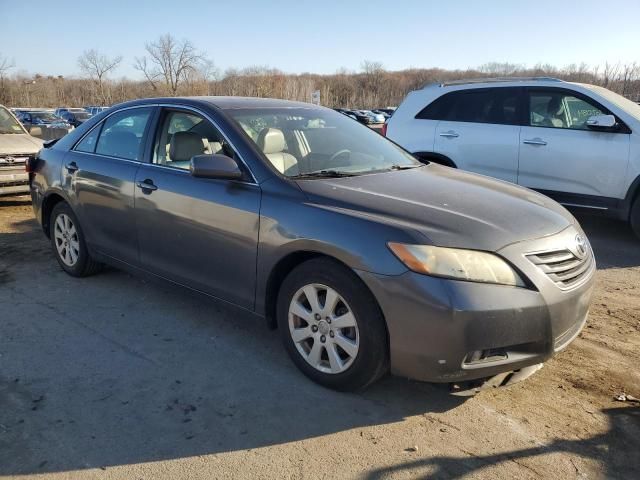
column 360, row 116
column 75, row 117
column 364, row 258
column 43, row 124
column 386, row 111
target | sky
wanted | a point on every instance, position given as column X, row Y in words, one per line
column 298, row 36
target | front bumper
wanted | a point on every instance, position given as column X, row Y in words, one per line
column 453, row 331
column 14, row 182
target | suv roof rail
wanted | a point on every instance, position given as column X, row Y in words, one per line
column 493, row 80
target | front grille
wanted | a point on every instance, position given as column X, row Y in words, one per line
column 8, row 161
column 564, row 267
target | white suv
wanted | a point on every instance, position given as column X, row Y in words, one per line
column 577, row 143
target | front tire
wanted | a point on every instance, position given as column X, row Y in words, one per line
column 634, row 217
column 68, row 243
column 331, row 326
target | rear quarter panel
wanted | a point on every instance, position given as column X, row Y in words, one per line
column 46, row 180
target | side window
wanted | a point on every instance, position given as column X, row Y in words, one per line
column 184, row 135
column 494, row 105
column 560, row 110
column 122, row 134
column 88, row 143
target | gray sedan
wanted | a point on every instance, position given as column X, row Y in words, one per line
column 366, row 260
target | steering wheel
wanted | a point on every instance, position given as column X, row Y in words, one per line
column 338, row 153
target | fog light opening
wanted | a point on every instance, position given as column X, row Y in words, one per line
column 483, row 356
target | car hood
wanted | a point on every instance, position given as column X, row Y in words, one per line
column 448, row 206
column 19, row 143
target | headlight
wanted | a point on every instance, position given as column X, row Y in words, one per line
column 470, row 265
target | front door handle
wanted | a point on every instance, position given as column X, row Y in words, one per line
column 534, row 141
column 71, row 167
column 449, row 134
column 147, row 185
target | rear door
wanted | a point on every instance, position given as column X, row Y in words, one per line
column 479, row 130
column 99, row 174
column 198, row 232
column 562, row 157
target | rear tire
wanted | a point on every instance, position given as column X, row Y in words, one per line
column 634, row 217
column 68, row 243
column 338, row 338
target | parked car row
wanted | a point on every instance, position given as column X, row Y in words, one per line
column 50, row 124
column 367, row 117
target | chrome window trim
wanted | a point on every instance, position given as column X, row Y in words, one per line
column 567, row 204
column 137, row 162
column 173, row 169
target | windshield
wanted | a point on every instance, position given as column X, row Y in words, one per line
column 303, row 141
column 8, row 124
column 81, row 115
column 627, row 105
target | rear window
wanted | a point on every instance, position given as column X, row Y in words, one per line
column 493, row 105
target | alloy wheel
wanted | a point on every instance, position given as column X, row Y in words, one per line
column 66, row 240
column 323, row 328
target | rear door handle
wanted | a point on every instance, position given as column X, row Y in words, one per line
column 534, row 141
column 71, row 167
column 449, row 134
column 147, row 185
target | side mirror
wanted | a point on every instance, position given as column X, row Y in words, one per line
column 35, row 132
column 215, row 166
column 601, row 121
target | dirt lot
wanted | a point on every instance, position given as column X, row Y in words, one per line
column 112, row 377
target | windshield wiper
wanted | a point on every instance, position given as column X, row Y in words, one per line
column 403, row 167
column 325, row 174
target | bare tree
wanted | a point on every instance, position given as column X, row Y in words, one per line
column 630, row 73
column 97, row 66
column 5, row 66
column 609, row 73
column 170, row 61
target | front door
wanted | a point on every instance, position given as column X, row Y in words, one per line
column 202, row 233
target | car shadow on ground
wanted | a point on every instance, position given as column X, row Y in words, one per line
column 113, row 370
column 613, row 242
column 611, row 450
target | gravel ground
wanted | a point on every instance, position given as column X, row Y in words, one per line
column 112, row 377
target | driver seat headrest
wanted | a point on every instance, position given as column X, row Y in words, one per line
column 185, row 145
column 271, row 140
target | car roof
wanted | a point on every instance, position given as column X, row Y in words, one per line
column 225, row 103
column 496, row 82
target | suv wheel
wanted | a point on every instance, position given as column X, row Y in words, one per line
column 331, row 326
column 68, row 243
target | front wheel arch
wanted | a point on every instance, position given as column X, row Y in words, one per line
column 435, row 158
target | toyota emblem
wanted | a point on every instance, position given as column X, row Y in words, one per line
column 9, row 159
column 581, row 246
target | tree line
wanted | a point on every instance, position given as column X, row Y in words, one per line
column 173, row 67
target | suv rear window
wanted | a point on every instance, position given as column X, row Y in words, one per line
column 486, row 105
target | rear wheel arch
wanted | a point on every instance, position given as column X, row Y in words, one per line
column 48, row 204
column 435, row 158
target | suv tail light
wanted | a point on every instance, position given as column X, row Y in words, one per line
column 384, row 129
